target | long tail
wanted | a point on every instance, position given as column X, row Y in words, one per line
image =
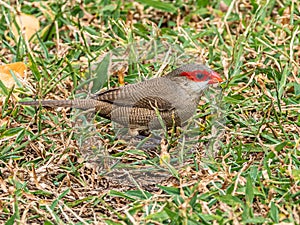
column 76, row 103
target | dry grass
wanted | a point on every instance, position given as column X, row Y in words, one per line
column 242, row 159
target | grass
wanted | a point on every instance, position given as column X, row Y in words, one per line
column 240, row 164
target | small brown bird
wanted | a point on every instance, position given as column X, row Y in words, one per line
column 173, row 97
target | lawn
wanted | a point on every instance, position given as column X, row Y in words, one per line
column 237, row 161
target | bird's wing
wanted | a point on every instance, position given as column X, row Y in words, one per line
column 109, row 95
column 149, row 94
column 154, row 102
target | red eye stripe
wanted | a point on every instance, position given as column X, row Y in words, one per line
column 192, row 75
column 185, row 74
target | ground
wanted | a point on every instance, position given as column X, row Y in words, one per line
column 238, row 159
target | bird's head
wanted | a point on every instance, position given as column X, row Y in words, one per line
column 199, row 73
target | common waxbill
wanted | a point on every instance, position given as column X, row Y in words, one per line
column 137, row 106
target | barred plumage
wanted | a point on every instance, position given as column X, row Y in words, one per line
column 175, row 96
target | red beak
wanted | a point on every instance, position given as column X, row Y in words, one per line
column 215, row 78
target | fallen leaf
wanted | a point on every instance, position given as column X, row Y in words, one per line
column 27, row 24
column 121, row 76
column 5, row 75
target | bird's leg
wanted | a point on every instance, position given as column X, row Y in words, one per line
column 144, row 133
column 137, row 131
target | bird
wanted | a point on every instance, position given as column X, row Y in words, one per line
column 143, row 106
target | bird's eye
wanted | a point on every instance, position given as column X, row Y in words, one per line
column 199, row 76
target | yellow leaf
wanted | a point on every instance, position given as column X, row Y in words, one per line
column 28, row 25
column 5, row 76
column 121, row 76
